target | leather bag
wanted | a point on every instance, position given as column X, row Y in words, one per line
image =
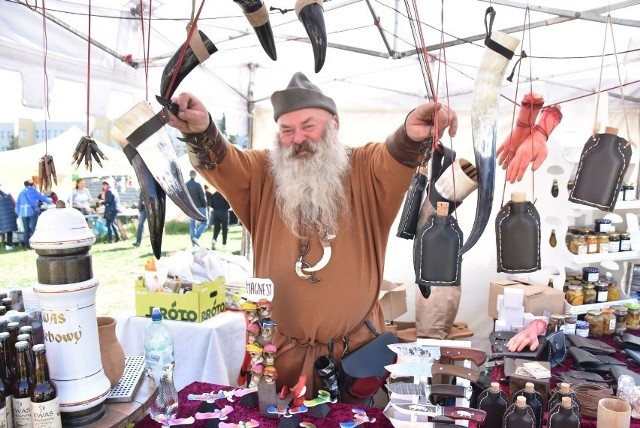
column 594, row 346
column 587, row 361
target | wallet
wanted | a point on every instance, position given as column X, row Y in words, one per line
column 574, row 376
column 629, row 341
column 587, row 361
column 596, row 347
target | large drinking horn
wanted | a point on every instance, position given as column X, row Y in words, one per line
column 484, row 116
column 310, row 13
column 199, row 50
column 144, row 131
column 258, row 16
column 154, row 197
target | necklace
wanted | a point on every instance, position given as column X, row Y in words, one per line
column 303, row 269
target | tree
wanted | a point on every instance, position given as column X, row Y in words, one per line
column 13, row 143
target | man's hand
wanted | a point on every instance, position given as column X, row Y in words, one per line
column 193, row 117
column 422, row 122
column 527, row 337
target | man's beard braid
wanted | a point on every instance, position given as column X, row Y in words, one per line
column 310, row 191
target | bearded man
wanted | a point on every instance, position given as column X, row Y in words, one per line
column 319, row 214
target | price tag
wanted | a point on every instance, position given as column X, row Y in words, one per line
column 258, row 288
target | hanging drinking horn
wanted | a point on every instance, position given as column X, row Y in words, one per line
column 310, row 13
column 258, row 16
column 153, row 195
column 144, row 131
column 199, row 50
column 484, row 115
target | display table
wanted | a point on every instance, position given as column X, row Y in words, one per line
column 210, row 351
column 339, row 412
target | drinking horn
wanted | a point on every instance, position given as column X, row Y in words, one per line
column 484, row 116
column 145, row 131
column 310, row 13
column 153, row 196
column 258, row 16
column 199, row 50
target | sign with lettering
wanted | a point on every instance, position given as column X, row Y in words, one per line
column 258, row 288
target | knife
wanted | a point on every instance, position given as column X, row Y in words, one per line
column 415, row 368
column 434, row 410
column 405, row 388
column 427, row 353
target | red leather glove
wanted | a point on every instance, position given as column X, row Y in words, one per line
column 528, row 336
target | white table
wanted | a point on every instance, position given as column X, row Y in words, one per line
column 211, row 351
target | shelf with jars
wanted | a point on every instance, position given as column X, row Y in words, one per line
column 582, row 259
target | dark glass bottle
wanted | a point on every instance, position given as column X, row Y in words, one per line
column 519, row 415
column 495, row 402
column 23, row 386
column 437, row 253
column 518, row 236
column 564, row 391
column 13, row 330
column 5, row 393
column 7, row 374
column 534, row 400
column 45, row 408
column 23, row 319
column 7, row 302
column 563, row 415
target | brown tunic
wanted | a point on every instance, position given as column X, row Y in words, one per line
column 309, row 315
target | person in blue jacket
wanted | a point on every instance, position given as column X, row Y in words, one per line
column 8, row 218
column 28, row 209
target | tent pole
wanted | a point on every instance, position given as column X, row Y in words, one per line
column 245, row 245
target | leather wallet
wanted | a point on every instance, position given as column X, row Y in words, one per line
column 574, row 376
column 587, row 361
column 629, row 341
column 593, row 346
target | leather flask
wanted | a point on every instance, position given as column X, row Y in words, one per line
column 437, row 251
column 519, row 414
column 518, row 236
column 601, row 170
column 534, row 400
column 495, row 402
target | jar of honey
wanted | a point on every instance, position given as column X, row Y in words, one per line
column 575, row 295
column 589, row 292
column 608, row 321
column 633, row 317
column 594, row 318
column 592, row 244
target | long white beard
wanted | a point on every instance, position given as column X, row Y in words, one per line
column 310, row 191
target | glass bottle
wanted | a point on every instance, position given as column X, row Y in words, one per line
column 7, row 374
column 519, row 415
column 534, row 400
column 5, row 395
column 563, row 415
column 23, row 387
column 564, row 390
column 495, row 402
column 518, row 236
column 45, row 408
column 13, row 329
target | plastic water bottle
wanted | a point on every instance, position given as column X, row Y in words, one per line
column 160, row 361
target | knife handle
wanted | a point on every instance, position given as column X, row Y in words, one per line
column 448, row 390
column 453, row 370
column 465, row 413
column 477, row 356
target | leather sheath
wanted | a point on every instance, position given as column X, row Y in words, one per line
column 411, row 208
column 593, row 346
column 587, row 361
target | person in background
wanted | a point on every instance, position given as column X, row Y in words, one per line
column 196, row 228
column 319, row 213
column 28, row 209
column 207, row 196
column 219, row 218
column 8, row 218
column 142, row 217
column 110, row 210
column 81, row 198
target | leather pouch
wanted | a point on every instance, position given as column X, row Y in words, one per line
column 601, row 170
column 594, row 346
column 362, row 371
column 518, row 238
column 575, row 376
column 587, row 361
column 629, row 341
column 557, row 348
column 411, row 208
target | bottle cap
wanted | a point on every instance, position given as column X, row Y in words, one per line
column 22, row 345
column 521, row 401
column 38, row 349
column 528, row 387
column 156, row 315
column 495, row 387
column 565, row 388
column 518, row 197
column 566, row 402
column 442, row 208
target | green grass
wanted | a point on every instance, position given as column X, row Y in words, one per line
column 116, row 266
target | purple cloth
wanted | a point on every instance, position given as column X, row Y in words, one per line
column 339, row 412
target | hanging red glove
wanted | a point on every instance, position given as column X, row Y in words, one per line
column 530, row 106
column 534, row 147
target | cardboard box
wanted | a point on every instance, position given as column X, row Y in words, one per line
column 393, row 299
column 201, row 303
column 537, row 298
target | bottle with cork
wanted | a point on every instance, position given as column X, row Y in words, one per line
column 437, row 251
column 518, row 236
column 519, row 415
column 563, row 391
column 534, row 400
column 494, row 402
column 563, row 415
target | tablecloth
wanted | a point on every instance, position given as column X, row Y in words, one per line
column 210, row 351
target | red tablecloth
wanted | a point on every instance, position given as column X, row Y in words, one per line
column 497, row 375
column 339, row 412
